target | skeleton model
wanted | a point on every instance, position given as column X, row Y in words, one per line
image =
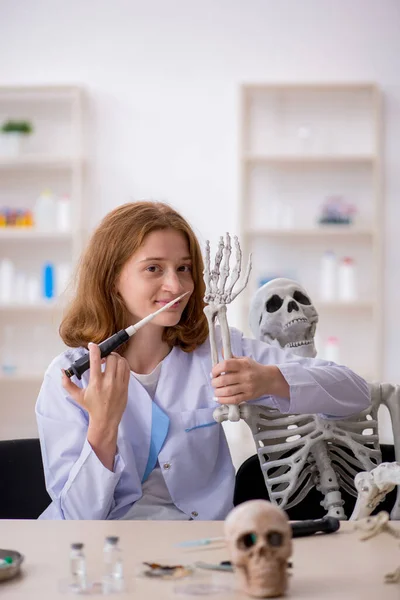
column 298, row 452
column 372, row 526
column 259, row 541
column 372, row 487
column 219, row 293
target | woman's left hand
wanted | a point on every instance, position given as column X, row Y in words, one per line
column 237, row 380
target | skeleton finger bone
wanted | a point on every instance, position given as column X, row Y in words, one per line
column 393, row 577
column 229, row 412
column 372, row 526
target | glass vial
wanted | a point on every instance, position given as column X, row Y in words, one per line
column 113, row 576
column 77, row 563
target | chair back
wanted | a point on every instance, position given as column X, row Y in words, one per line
column 23, row 492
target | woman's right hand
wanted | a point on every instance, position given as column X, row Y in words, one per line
column 106, row 395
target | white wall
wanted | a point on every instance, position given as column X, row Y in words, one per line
column 162, row 79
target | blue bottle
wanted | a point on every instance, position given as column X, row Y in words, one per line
column 48, row 281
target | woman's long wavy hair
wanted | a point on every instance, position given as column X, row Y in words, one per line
column 97, row 310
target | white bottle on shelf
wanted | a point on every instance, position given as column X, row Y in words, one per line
column 7, row 276
column 33, row 289
column 287, row 217
column 62, row 276
column 274, row 214
column 346, row 280
column 331, row 350
column 63, row 213
column 44, row 212
column 328, row 276
column 20, row 287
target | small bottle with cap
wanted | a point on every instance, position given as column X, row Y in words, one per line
column 347, row 280
column 113, row 576
column 77, row 563
column 332, row 349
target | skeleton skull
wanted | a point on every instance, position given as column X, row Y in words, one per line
column 259, row 539
column 281, row 311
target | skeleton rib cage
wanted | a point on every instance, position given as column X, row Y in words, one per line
column 292, row 456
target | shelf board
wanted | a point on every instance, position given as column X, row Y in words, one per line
column 39, row 92
column 40, row 161
column 329, row 86
column 317, row 232
column 22, row 378
column 32, row 235
column 38, row 307
column 309, row 159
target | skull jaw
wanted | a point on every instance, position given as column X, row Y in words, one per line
column 298, row 338
column 307, row 350
column 265, row 581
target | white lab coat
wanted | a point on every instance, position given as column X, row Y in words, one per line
column 194, row 456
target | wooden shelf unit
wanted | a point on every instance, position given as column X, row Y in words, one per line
column 301, row 143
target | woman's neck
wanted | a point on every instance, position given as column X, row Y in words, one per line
column 146, row 350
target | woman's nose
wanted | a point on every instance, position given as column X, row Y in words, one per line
column 172, row 283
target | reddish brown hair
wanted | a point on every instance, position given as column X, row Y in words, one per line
column 98, row 311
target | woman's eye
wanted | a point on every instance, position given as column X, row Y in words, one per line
column 152, row 268
column 185, row 268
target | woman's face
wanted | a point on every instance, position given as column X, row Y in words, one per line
column 159, row 271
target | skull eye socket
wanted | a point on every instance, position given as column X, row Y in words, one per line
column 301, row 298
column 274, row 303
column 247, row 541
column 275, row 539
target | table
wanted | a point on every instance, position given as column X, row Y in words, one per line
column 336, row 566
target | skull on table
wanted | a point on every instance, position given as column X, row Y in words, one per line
column 259, row 539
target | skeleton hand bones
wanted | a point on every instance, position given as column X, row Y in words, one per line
column 372, row 487
column 220, row 292
column 372, row 526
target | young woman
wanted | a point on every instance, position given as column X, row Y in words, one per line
column 135, row 438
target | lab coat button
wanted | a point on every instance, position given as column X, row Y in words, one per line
column 166, row 465
column 195, row 514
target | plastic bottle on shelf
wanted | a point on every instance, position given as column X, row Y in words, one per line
column 7, row 277
column 48, row 281
column 274, row 214
column 63, row 213
column 20, row 287
column 44, row 212
column 287, row 217
column 62, row 276
column 346, row 280
column 33, row 289
column 328, row 276
column 331, row 351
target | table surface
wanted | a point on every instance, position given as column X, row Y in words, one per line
column 336, row 566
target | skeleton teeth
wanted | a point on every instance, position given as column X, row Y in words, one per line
column 297, row 344
column 299, row 320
